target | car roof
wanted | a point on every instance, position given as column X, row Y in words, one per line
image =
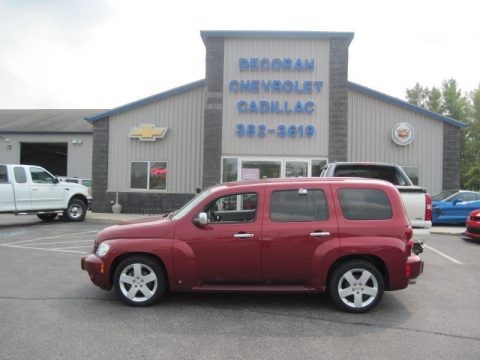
column 300, row 180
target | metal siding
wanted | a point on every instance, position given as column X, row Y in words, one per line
column 318, row 49
column 370, row 123
column 79, row 158
column 182, row 148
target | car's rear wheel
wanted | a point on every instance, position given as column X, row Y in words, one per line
column 47, row 217
column 356, row 286
column 75, row 211
column 139, row 281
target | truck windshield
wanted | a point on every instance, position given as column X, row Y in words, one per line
column 388, row 173
column 185, row 209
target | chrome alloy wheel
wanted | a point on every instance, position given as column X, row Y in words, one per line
column 138, row 282
column 358, row 288
column 75, row 211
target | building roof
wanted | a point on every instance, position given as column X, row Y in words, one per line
column 133, row 105
column 45, row 121
column 405, row 105
column 277, row 34
column 201, row 83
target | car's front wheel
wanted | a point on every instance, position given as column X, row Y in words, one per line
column 139, row 281
column 356, row 286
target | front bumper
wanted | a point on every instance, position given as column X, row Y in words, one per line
column 97, row 270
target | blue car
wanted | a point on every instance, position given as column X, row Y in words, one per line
column 455, row 208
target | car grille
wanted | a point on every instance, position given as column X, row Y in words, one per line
column 473, row 230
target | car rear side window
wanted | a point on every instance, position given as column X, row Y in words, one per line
column 20, row 175
column 298, row 205
column 3, row 174
column 365, row 204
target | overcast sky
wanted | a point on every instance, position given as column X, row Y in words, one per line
column 106, row 53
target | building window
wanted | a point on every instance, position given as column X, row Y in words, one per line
column 413, row 173
column 237, row 168
column 230, row 169
column 148, row 175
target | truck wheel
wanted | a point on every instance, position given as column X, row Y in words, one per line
column 139, row 281
column 76, row 210
column 356, row 286
column 47, row 217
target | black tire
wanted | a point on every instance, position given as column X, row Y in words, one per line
column 75, row 211
column 358, row 295
column 47, row 217
column 131, row 281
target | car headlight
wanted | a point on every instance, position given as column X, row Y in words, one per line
column 103, row 249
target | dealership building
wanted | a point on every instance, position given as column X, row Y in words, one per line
column 272, row 104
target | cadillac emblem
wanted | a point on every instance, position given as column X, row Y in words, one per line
column 402, row 134
column 147, row 132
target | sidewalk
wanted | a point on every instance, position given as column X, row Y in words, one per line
column 109, row 218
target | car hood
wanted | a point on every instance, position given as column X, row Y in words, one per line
column 150, row 227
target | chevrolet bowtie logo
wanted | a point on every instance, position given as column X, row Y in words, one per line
column 147, row 132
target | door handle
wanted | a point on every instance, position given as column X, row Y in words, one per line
column 243, row 236
column 320, row 234
column 35, row 189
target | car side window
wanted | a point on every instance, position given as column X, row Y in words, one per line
column 237, row 208
column 365, row 204
column 3, row 175
column 465, row 197
column 20, row 175
column 40, row 176
column 298, row 205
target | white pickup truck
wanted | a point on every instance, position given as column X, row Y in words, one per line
column 26, row 189
column 417, row 201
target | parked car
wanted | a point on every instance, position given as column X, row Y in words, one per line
column 455, row 208
column 473, row 225
column 349, row 237
column 26, row 189
column 416, row 199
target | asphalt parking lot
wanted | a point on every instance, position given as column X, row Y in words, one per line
column 50, row 310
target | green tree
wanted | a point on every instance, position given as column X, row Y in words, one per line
column 417, row 95
column 449, row 101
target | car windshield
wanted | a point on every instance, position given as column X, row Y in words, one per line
column 443, row 195
column 191, row 204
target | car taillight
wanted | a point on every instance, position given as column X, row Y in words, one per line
column 428, row 207
column 409, row 236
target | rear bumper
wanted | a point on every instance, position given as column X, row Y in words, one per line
column 97, row 271
column 413, row 268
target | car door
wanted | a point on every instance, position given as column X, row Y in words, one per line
column 21, row 186
column 227, row 249
column 7, row 198
column 46, row 193
column 299, row 226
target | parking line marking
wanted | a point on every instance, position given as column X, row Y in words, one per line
column 62, row 242
column 444, row 255
column 73, row 247
column 44, row 249
column 49, row 237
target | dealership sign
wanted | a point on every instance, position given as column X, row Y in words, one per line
column 402, row 134
column 148, row 132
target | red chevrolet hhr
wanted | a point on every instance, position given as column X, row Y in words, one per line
column 350, row 237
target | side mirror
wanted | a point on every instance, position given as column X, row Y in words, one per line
column 56, row 181
column 456, row 201
column 201, row 219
